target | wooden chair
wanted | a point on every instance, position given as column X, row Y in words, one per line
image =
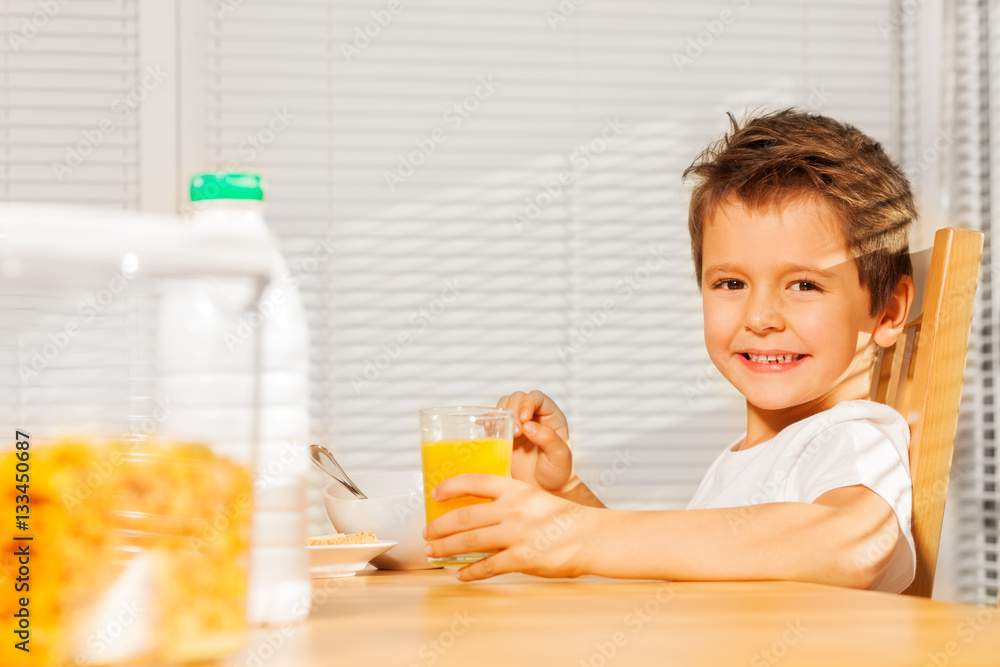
column 922, row 374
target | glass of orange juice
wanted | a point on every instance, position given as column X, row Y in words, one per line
column 457, row 440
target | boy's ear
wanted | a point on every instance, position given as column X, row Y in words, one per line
column 893, row 320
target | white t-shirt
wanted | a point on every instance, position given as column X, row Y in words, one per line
column 855, row 442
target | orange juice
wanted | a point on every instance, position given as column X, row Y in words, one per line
column 447, row 458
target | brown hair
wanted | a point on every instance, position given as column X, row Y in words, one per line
column 769, row 159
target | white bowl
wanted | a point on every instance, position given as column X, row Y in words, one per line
column 394, row 509
column 343, row 560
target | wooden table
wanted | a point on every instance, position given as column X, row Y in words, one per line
column 427, row 618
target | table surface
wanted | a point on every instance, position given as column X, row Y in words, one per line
column 427, row 618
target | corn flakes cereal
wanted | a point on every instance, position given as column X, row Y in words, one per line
column 98, row 508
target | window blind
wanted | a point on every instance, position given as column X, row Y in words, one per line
column 70, row 88
column 973, row 188
column 987, row 589
column 481, row 199
column 947, row 152
column 476, row 199
column 964, row 186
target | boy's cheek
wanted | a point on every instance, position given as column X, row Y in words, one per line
column 718, row 333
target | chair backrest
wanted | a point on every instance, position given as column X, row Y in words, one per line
column 921, row 376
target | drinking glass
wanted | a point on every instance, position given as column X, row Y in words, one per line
column 457, row 440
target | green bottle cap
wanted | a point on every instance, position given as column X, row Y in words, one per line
column 226, row 185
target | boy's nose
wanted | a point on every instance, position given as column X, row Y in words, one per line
column 763, row 314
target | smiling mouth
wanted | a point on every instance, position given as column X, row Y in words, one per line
column 771, row 358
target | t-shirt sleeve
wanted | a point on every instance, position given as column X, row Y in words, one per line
column 875, row 455
column 856, row 452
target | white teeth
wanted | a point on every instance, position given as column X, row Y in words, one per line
column 771, row 358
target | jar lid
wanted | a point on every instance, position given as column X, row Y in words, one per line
column 58, row 241
column 226, row 185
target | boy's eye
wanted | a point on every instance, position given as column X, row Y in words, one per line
column 730, row 284
column 805, row 286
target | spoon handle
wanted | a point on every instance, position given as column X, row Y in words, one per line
column 320, row 455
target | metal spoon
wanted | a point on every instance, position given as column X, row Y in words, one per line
column 323, row 458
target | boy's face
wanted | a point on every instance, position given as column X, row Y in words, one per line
column 786, row 317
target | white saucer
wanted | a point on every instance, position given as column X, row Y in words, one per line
column 343, row 560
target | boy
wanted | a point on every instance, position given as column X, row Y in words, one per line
column 798, row 231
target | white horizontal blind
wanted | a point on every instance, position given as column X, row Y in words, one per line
column 978, row 26
column 69, row 90
column 947, row 154
column 988, row 586
column 966, row 184
column 463, row 269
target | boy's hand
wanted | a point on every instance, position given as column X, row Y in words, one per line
column 530, row 531
column 542, row 454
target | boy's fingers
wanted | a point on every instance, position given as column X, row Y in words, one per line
column 503, row 404
column 541, row 404
column 475, row 540
column 519, row 404
column 525, row 406
column 498, row 563
column 463, row 519
column 537, row 403
column 470, row 484
column 547, row 440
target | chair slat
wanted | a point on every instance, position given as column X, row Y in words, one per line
column 933, row 387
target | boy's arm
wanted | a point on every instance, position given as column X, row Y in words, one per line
column 846, row 537
column 581, row 494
